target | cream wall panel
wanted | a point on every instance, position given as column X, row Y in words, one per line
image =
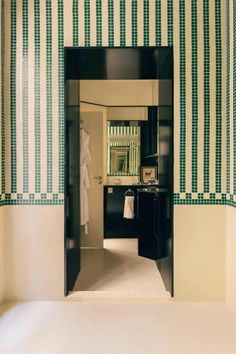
column 116, row 5
column 140, row 22
column 105, row 23
column 68, row 23
column 231, row 258
column 152, row 34
column 117, row 92
column 93, row 27
column 81, row 23
column 128, row 5
column 127, row 113
column 164, row 21
column 199, row 253
column 2, row 253
column 34, row 252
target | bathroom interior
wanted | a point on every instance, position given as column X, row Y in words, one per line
column 126, row 242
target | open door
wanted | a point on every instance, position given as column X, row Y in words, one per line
column 72, row 189
column 94, row 124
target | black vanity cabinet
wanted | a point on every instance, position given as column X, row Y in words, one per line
column 115, row 225
column 153, row 222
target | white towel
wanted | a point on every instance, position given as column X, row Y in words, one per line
column 129, row 207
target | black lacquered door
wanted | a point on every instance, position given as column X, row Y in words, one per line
column 151, row 219
column 72, row 205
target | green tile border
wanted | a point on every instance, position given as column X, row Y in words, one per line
column 182, row 60
column 99, row 22
column 37, row 98
column 134, row 23
column 60, row 20
column 122, row 23
column 194, row 38
column 13, row 98
column 75, row 16
column 25, row 95
column 7, row 199
column 218, row 48
column 199, row 199
column 158, row 22
column 3, row 115
column 206, row 147
column 146, row 23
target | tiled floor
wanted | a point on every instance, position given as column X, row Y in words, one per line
column 98, row 328
column 118, row 269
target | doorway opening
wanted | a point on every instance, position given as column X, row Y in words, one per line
column 126, row 115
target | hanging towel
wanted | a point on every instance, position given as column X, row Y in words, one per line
column 129, row 207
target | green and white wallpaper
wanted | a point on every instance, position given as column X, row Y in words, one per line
column 33, row 36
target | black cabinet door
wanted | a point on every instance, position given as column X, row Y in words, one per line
column 147, row 240
column 115, row 225
column 151, row 225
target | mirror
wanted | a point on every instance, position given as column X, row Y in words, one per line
column 119, row 160
column 123, row 148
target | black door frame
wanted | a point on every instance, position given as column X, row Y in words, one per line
column 116, row 63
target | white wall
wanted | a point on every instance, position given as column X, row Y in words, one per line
column 199, row 252
column 34, row 252
column 231, row 258
column 2, row 253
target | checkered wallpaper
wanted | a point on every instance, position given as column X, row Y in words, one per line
column 33, row 36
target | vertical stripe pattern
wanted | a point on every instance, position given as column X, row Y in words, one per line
column 228, row 70
column 146, row 23
column 206, row 95
column 234, row 96
column 25, row 95
column 75, row 14
column 110, row 23
column 87, row 22
column 194, row 98
column 134, row 23
column 13, row 96
column 158, row 21
column 170, row 22
column 49, row 92
column 37, row 98
column 182, row 96
column 126, row 23
column 3, row 117
column 99, row 22
column 218, row 95
column 61, row 93
column 122, row 24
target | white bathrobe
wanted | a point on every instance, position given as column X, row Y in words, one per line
column 85, row 159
